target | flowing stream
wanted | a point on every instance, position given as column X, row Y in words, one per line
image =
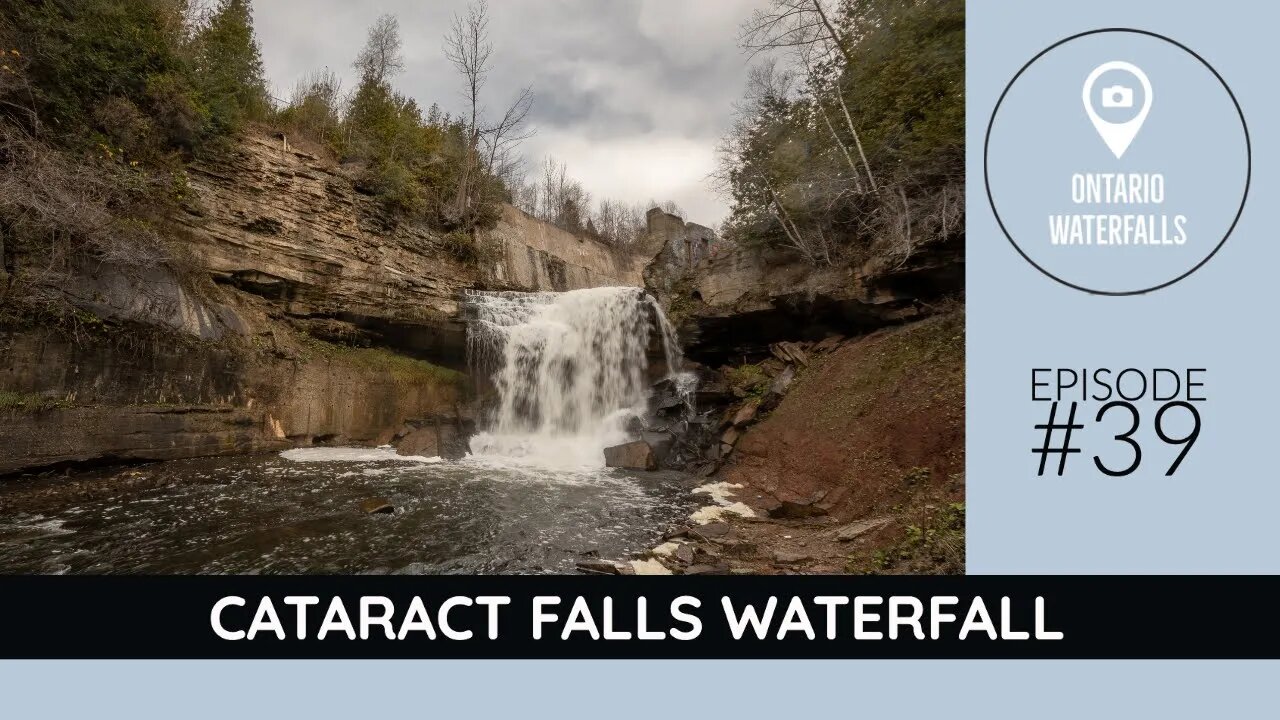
column 565, row 374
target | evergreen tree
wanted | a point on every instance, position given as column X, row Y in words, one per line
column 228, row 68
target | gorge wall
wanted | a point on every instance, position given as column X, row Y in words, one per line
column 300, row 312
column 732, row 302
column 536, row 255
column 293, row 227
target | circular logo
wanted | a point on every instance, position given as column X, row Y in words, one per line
column 1117, row 161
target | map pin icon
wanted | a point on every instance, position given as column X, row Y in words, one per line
column 1117, row 135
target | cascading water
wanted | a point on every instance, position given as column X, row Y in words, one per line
column 570, row 370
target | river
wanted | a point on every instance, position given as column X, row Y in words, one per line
column 300, row 513
column 570, row 376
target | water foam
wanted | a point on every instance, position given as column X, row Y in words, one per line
column 570, row 370
column 352, row 454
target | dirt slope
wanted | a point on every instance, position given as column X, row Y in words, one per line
column 873, row 431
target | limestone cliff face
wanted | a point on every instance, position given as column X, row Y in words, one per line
column 535, row 255
column 735, row 301
column 109, row 399
column 281, row 247
column 291, row 227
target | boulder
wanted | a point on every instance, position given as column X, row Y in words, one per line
column 730, row 436
column 675, row 532
column 634, row 425
column 782, row 383
column 778, row 388
column 855, row 529
column 666, row 397
column 709, row 531
column 684, row 554
column 789, row 352
column 423, row 441
column 635, row 455
column 710, row 468
column 788, row 557
column 829, row 343
column 453, row 446
column 660, row 443
column 746, row 413
column 436, row 440
column 376, row 506
column 796, row 509
column 705, row 556
column 604, row 567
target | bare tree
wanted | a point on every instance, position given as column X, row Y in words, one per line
column 807, row 57
column 380, row 59
column 671, row 208
column 468, row 48
column 63, row 214
column 562, row 200
column 500, row 138
column 509, row 167
column 316, row 105
column 525, row 197
column 551, row 192
column 805, row 28
column 617, row 222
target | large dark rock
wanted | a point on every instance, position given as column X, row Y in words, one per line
column 749, row 299
column 778, row 388
column 660, row 443
column 746, row 413
column 376, row 506
column 709, row 531
column 604, row 567
column 635, row 455
column 438, row 439
column 423, row 441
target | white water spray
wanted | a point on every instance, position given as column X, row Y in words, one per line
column 570, row 370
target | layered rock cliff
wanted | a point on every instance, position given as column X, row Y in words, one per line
column 733, row 302
column 292, row 227
column 300, row 313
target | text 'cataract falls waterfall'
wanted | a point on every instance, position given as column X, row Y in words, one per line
column 571, row 371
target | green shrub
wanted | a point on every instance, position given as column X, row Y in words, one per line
column 29, row 402
column 134, row 72
column 747, row 381
column 403, row 367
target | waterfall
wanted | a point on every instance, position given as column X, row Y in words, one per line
column 570, row 370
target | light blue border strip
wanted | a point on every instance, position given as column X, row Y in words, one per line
column 648, row 690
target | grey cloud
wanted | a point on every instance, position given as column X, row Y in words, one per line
column 632, row 94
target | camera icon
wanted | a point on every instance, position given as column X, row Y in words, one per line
column 1117, row 96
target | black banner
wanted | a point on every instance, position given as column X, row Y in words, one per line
column 1030, row 617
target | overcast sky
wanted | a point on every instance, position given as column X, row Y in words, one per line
column 632, row 94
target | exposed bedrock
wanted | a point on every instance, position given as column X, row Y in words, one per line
column 301, row 313
column 292, row 228
column 736, row 303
